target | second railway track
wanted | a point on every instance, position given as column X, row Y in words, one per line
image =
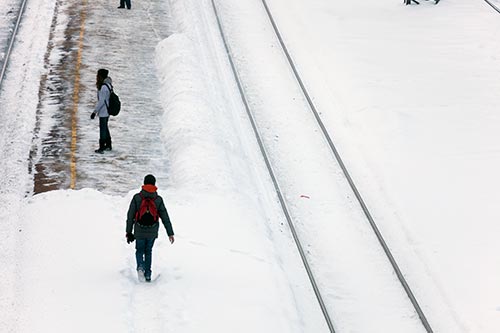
column 350, row 180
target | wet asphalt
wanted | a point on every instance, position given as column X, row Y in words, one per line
column 123, row 41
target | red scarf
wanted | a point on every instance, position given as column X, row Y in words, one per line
column 149, row 188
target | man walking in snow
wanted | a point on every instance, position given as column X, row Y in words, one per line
column 145, row 209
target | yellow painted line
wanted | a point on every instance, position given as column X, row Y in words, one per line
column 76, row 98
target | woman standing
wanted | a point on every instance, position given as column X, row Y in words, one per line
column 104, row 86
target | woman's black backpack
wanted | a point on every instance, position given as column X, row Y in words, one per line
column 114, row 102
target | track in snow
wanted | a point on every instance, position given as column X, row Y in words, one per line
column 7, row 48
column 493, row 5
column 296, row 238
column 355, row 190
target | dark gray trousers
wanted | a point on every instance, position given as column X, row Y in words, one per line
column 104, row 135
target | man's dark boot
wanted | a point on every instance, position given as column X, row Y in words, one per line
column 108, row 144
column 101, row 147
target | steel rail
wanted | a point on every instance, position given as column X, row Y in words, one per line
column 350, row 180
column 273, row 176
column 493, row 5
column 11, row 42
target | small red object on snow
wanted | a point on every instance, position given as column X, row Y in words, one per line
column 305, row 196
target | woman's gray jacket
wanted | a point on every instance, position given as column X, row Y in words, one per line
column 101, row 109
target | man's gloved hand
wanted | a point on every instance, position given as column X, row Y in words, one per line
column 130, row 238
column 92, row 116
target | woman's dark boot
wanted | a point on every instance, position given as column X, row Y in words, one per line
column 108, row 144
column 101, row 147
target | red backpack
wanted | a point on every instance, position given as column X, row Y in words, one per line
column 147, row 215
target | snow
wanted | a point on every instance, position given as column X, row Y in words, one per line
column 407, row 93
column 415, row 94
column 86, row 276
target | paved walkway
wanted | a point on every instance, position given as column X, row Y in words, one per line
column 122, row 41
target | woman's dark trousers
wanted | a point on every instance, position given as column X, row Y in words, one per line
column 104, row 135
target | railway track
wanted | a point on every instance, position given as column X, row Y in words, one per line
column 347, row 175
column 11, row 40
column 279, row 193
column 494, row 6
column 362, row 205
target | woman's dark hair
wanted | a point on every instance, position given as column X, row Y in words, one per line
column 101, row 75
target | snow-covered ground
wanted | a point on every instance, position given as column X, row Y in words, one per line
column 411, row 96
column 408, row 94
column 18, row 113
